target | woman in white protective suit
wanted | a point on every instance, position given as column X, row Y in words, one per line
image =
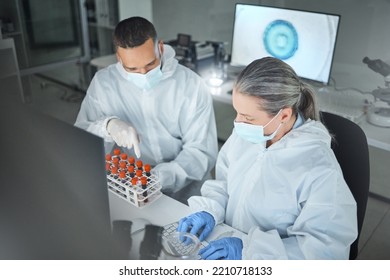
column 277, row 179
column 155, row 108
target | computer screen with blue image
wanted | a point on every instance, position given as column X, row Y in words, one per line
column 305, row 40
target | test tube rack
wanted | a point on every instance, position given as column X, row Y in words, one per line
column 131, row 180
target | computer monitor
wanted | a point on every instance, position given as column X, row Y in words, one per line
column 53, row 191
column 303, row 39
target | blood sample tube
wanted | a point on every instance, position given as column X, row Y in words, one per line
column 123, row 156
column 147, row 169
column 108, row 166
column 115, row 160
column 131, row 161
column 117, row 152
column 122, row 164
column 144, row 182
column 108, row 157
column 134, row 181
column 138, row 173
column 114, row 170
column 139, row 164
column 122, row 175
column 130, row 169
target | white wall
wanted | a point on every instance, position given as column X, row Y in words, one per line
column 129, row 8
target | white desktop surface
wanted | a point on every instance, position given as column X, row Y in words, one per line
column 163, row 211
column 103, row 61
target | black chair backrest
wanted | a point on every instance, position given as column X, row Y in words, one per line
column 351, row 150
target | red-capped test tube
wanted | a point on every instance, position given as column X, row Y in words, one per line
column 139, row 164
column 131, row 161
column 134, row 181
column 130, row 169
column 138, row 173
column 144, row 182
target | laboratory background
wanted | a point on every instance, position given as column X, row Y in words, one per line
column 50, row 50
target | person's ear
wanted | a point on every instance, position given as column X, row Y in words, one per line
column 286, row 114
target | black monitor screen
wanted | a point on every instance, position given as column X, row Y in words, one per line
column 305, row 40
column 53, row 191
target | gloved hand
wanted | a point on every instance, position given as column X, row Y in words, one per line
column 227, row 248
column 194, row 223
column 124, row 135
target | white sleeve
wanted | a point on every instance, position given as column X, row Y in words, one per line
column 91, row 116
column 214, row 192
column 200, row 147
column 324, row 229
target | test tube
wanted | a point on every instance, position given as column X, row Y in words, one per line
column 131, row 161
column 144, row 182
column 147, row 169
column 130, row 169
column 139, row 164
column 138, row 173
column 117, row 152
column 122, row 164
column 134, row 181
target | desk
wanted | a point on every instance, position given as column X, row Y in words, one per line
column 163, row 211
column 103, row 61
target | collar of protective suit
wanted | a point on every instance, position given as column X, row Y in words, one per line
column 168, row 62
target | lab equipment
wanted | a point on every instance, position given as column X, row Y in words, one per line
column 378, row 66
column 200, row 224
column 124, row 134
column 173, row 244
column 180, row 246
column 140, row 188
column 379, row 114
column 227, row 248
column 348, row 103
column 53, row 194
column 304, row 39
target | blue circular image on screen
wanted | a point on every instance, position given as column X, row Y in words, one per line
column 280, row 39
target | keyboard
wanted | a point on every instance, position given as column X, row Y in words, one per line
column 179, row 247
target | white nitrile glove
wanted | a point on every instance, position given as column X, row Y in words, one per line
column 124, row 135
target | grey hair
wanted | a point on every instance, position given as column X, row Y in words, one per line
column 277, row 86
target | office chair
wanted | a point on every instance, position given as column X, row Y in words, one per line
column 351, row 150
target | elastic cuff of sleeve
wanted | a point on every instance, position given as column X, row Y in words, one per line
column 104, row 126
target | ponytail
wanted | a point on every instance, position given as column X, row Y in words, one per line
column 307, row 102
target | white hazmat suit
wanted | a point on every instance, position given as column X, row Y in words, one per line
column 290, row 200
column 174, row 119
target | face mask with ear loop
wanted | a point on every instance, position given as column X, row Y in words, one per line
column 148, row 80
column 255, row 133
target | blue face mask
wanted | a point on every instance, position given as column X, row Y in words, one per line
column 254, row 133
column 148, row 80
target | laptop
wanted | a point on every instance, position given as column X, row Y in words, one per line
column 53, row 191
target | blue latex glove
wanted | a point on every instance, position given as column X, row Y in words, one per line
column 201, row 223
column 228, row 248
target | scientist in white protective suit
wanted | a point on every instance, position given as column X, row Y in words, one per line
column 158, row 109
column 278, row 181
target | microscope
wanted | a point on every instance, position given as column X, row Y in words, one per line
column 380, row 115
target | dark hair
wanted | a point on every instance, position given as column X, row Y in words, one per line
column 133, row 32
column 277, row 86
